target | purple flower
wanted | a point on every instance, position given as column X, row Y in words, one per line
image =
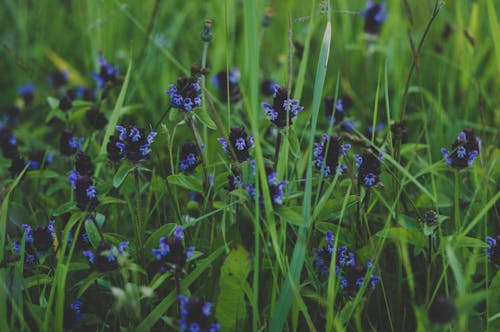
column 463, row 151
column 283, row 110
column 186, row 95
column 240, row 142
column 369, row 168
column 189, row 157
column 196, row 315
column 327, row 154
column 171, row 254
column 108, row 74
column 227, row 85
column 375, row 14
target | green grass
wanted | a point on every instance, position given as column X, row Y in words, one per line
column 254, row 258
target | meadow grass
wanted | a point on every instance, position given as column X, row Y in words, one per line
column 332, row 252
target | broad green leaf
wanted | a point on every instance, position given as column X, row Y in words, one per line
column 289, row 215
column 231, row 309
column 93, row 233
column 187, row 182
column 121, row 174
column 404, row 235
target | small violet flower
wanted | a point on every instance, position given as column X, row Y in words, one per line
column 189, row 157
column 171, row 255
column 108, row 74
column 186, row 95
column 374, row 14
column 227, row 85
column 283, row 110
column 132, row 144
column 327, row 154
column 240, row 142
column 369, row 168
column 105, row 258
column 463, row 151
column 196, row 315
column 493, row 251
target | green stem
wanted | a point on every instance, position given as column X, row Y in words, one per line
column 457, row 201
column 139, row 225
column 197, row 137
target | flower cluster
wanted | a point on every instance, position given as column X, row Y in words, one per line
column 58, row 79
column 240, row 143
column 132, row 144
column 275, row 187
column 69, row 144
column 171, row 254
column 196, row 315
column 227, row 85
column 327, row 154
column 81, row 181
column 27, row 93
column 339, row 112
column 369, row 168
column 8, row 142
column 267, row 87
column 38, row 158
column 283, row 110
column 463, row 151
column 351, row 275
column 186, row 95
column 73, row 314
column 108, row 74
column 37, row 241
column 105, row 258
column 189, row 157
column 374, row 14
column 493, row 251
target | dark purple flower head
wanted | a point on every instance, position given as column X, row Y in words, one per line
column 189, row 157
column 69, row 144
column 276, row 187
column 350, row 274
column 240, row 142
column 132, row 144
column 27, row 93
column 463, row 151
column 399, row 131
column 83, row 164
column 171, row 254
column 41, row 238
column 227, row 85
column 282, row 108
column 17, row 165
column 186, row 95
column 8, row 141
column 327, row 154
column 196, row 315
column 65, row 103
column 442, row 310
column 72, row 314
column 108, row 74
column 267, row 87
column 96, row 119
column 494, row 249
column 105, row 258
column 85, row 194
column 369, row 168
column 58, row 79
column 375, row 14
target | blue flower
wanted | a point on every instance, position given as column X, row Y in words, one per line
column 186, row 95
column 73, row 314
column 240, row 142
column 105, row 258
column 283, row 110
column 108, row 74
column 493, row 251
column 85, row 194
column 369, row 168
column 189, row 157
column 464, row 151
column 27, row 93
column 196, row 315
column 276, row 187
column 8, row 142
column 327, row 154
column 69, row 144
column 171, row 254
column 132, row 143
column 374, row 14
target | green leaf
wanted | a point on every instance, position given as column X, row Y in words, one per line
column 93, row 233
column 55, row 113
column 205, row 118
column 187, row 182
column 293, row 141
column 121, row 174
column 403, row 234
column 53, row 102
column 231, row 307
column 290, row 216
